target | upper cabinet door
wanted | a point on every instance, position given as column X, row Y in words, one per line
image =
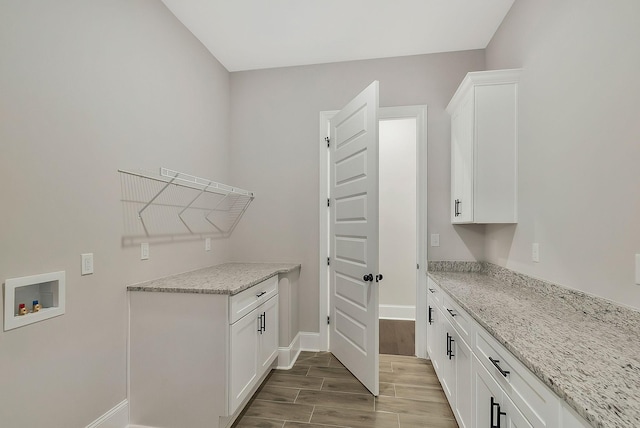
column 484, row 134
column 462, row 162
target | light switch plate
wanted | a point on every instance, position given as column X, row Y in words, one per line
column 638, row 269
column 435, row 239
column 535, row 252
column 87, row 264
column 144, row 251
column 207, row 244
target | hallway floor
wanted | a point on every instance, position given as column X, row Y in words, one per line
column 319, row 392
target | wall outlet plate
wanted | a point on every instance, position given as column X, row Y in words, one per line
column 535, row 252
column 87, row 264
column 435, row 239
column 144, row 251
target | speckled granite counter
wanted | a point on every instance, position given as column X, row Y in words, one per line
column 227, row 278
column 585, row 349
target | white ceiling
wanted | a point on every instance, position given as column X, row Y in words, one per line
column 255, row 34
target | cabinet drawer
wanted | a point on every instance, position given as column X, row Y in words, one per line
column 243, row 303
column 536, row 402
column 460, row 320
column 435, row 292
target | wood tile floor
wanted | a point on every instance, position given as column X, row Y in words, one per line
column 319, row 392
column 397, row 337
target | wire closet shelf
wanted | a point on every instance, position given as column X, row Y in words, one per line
column 202, row 206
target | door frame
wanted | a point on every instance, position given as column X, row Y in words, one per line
column 418, row 112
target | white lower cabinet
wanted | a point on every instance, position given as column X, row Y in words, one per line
column 243, row 358
column 433, row 335
column 253, row 348
column 492, row 407
column 487, row 387
column 451, row 358
column 195, row 359
column 268, row 337
column 464, row 376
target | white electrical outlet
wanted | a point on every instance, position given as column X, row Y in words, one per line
column 144, row 251
column 435, row 239
column 535, row 252
column 207, row 244
column 87, row 264
column 638, row 269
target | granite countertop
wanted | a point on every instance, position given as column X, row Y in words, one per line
column 227, row 278
column 584, row 348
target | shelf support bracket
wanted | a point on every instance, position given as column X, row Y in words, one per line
column 155, row 197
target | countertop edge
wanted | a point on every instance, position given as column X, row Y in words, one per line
column 140, row 287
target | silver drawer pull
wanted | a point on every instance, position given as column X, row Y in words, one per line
column 262, row 293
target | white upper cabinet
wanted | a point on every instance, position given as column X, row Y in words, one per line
column 484, row 134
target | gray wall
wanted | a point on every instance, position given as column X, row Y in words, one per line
column 87, row 88
column 579, row 137
column 397, row 147
column 274, row 127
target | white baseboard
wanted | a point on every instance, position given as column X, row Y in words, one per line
column 397, row 312
column 118, row 417
column 288, row 356
column 309, row 341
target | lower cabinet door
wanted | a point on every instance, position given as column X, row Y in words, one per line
column 463, row 378
column 268, row 336
column 243, row 358
column 447, row 355
column 488, row 397
column 514, row 418
column 433, row 338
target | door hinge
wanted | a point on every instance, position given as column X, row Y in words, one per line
column 328, row 320
column 328, row 261
column 328, row 140
column 418, row 266
column 328, row 202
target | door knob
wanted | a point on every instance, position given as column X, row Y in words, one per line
column 368, row 277
column 379, row 277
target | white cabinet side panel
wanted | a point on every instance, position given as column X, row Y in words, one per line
column 177, row 358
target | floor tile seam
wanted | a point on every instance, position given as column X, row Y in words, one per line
column 294, row 387
column 426, row 388
column 260, row 417
column 420, row 401
column 409, row 384
column 279, row 402
column 342, row 409
column 347, row 392
column 358, row 410
column 311, row 415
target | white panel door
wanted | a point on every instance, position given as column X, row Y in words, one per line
column 354, row 237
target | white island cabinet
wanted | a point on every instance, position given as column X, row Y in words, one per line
column 198, row 353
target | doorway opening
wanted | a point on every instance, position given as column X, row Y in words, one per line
column 414, row 309
column 397, row 217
